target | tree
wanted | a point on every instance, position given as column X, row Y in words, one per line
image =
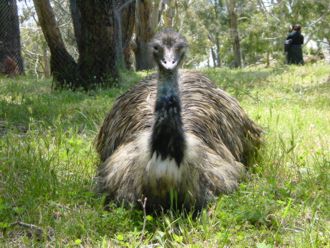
column 63, row 66
column 97, row 55
column 214, row 19
column 233, row 25
column 147, row 19
column 97, row 28
column 124, row 14
column 10, row 45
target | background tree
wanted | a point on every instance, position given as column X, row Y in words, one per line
column 214, row 19
column 97, row 54
column 146, row 22
column 233, row 27
column 96, row 32
column 63, row 66
column 262, row 25
column 10, row 43
column 126, row 12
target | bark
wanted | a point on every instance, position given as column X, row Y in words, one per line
column 45, row 58
column 169, row 10
column 326, row 49
column 217, row 45
column 95, row 33
column 213, row 58
column 145, row 26
column 217, row 6
column 127, row 28
column 63, row 66
column 76, row 20
column 233, row 25
column 124, row 19
column 97, row 60
column 215, row 51
column 10, row 46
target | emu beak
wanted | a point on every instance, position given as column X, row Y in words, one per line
column 169, row 62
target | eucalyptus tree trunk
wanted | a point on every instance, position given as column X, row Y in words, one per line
column 147, row 19
column 213, row 58
column 127, row 28
column 215, row 50
column 326, row 49
column 10, row 46
column 63, row 66
column 217, row 45
column 217, row 6
column 124, row 20
column 169, row 10
column 100, row 40
column 233, row 25
column 45, row 59
column 76, row 21
column 97, row 51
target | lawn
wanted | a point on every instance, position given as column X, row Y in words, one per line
column 48, row 161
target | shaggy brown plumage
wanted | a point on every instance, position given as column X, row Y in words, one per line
column 218, row 135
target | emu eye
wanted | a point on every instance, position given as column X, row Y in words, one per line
column 156, row 48
column 180, row 47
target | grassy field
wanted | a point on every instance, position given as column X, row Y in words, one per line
column 47, row 165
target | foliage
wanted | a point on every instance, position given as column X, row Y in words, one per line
column 48, row 163
column 263, row 26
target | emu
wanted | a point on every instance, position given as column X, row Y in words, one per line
column 173, row 134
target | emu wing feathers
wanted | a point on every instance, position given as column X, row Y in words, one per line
column 208, row 112
column 132, row 112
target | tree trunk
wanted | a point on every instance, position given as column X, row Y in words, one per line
column 95, row 33
column 124, row 19
column 217, row 6
column 231, row 6
column 127, row 28
column 47, row 71
column 76, row 21
column 145, row 26
column 97, row 60
column 169, row 10
column 213, row 58
column 217, row 45
column 10, row 46
column 63, row 66
column 326, row 49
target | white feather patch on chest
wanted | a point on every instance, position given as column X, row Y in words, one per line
column 167, row 169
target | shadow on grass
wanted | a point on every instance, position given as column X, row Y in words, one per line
column 24, row 101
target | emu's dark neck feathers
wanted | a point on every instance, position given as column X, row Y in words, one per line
column 167, row 136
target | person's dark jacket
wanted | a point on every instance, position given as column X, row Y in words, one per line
column 293, row 48
column 296, row 37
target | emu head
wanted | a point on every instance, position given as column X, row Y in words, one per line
column 168, row 49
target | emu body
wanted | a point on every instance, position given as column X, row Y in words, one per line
column 175, row 133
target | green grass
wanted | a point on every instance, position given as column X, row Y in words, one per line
column 47, row 165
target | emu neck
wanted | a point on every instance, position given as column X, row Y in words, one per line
column 168, row 140
column 167, row 84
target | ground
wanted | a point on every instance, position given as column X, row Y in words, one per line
column 48, row 161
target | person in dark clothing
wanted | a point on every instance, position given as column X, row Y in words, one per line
column 293, row 46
